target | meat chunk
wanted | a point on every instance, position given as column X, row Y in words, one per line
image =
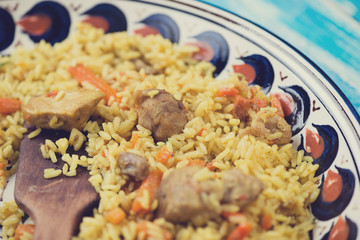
column 160, row 112
column 71, row 109
column 133, row 165
column 271, row 127
column 240, row 189
column 142, row 64
column 182, row 197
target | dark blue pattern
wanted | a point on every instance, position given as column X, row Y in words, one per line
column 7, row 29
column 323, row 210
column 298, row 117
column 219, row 46
column 167, row 27
column 352, row 230
column 331, row 147
column 264, row 71
column 113, row 15
column 60, row 17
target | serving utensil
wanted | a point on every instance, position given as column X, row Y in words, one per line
column 57, row 204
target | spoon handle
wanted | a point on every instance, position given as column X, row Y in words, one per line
column 55, row 223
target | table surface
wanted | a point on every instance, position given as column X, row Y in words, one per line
column 326, row 31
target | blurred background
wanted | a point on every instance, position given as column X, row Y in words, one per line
column 326, row 31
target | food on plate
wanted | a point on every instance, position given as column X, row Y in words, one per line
column 62, row 110
column 195, row 194
column 133, row 165
column 159, row 112
column 172, row 152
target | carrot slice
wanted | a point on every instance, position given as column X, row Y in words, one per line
column 199, row 133
column 197, row 162
column 163, row 155
column 115, row 215
column 266, row 223
column 202, row 163
column 226, row 92
column 9, row 105
column 230, row 214
column 240, row 232
column 143, row 227
column 52, row 93
column 258, row 103
column 150, row 184
column 275, row 102
column 82, row 73
column 133, row 140
column 253, row 91
column 22, row 228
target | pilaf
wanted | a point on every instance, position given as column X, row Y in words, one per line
column 218, row 134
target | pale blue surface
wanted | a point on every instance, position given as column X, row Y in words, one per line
column 326, row 31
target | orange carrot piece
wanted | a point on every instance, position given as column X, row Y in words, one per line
column 197, row 162
column 230, row 214
column 150, row 184
column 143, row 227
column 202, row 163
column 226, row 92
column 210, row 166
column 115, row 215
column 52, row 93
column 275, row 102
column 199, row 133
column 9, row 105
column 258, row 103
column 133, row 140
column 253, row 91
column 22, row 228
column 2, row 165
column 163, row 155
column 240, row 232
column 266, row 223
column 167, row 235
column 82, row 73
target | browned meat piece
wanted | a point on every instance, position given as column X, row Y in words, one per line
column 271, row 127
column 240, row 189
column 133, row 165
column 183, row 198
column 72, row 110
column 142, row 64
column 180, row 197
column 160, row 112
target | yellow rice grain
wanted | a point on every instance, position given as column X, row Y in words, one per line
column 51, row 172
column 52, row 156
column 34, row 133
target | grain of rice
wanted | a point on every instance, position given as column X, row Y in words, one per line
column 51, row 172
column 52, row 156
column 59, row 96
column 34, row 133
column 62, row 145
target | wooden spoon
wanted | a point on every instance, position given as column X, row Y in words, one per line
column 56, row 205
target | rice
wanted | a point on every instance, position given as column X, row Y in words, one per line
column 211, row 134
column 52, row 172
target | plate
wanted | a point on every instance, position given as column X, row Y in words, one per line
column 319, row 110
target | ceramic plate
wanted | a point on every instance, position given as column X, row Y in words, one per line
column 318, row 107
